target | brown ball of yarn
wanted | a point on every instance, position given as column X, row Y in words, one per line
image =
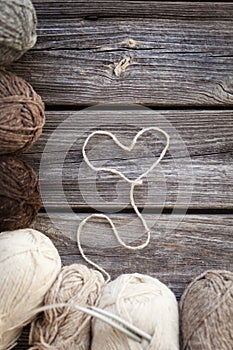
column 19, row 194
column 21, row 114
column 66, row 328
column 207, row 312
column 17, row 29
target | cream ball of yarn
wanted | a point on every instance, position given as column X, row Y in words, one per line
column 65, row 328
column 29, row 264
column 17, row 29
column 146, row 303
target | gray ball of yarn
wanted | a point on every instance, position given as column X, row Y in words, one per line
column 17, row 29
column 207, row 312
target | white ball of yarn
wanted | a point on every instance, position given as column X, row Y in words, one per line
column 29, row 264
column 146, row 303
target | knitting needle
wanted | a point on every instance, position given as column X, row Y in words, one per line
column 122, row 325
column 125, row 323
column 97, row 314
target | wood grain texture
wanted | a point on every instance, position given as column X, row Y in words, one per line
column 175, row 255
column 150, row 9
column 198, row 167
column 169, row 61
column 164, row 36
column 73, row 77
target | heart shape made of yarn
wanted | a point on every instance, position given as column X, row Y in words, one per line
column 129, row 148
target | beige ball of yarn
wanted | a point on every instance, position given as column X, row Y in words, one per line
column 146, row 303
column 29, row 264
column 207, row 312
column 66, row 328
column 17, row 29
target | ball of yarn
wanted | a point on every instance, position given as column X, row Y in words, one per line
column 146, row 303
column 67, row 328
column 19, row 194
column 29, row 264
column 207, row 312
column 17, row 29
column 21, row 114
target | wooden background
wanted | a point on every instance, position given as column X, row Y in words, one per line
column 177, row 59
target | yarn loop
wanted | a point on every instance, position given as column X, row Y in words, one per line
column 133, row 183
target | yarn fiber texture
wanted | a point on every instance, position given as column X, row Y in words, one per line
column 67, row 328
column 207, row 312
column 17, row 29
column 21, row 114
column 29, row 264
column 146, row 303
column 19, row 194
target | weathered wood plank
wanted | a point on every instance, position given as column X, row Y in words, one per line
column 88, row 77
column 199, row 162
column 209, row 187
column 47, row 9
column 165, row 36
column 197, row 244
column 162, row 62
column 203, row 131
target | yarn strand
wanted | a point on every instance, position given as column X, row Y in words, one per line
column 133, row 184
column 81, row 251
